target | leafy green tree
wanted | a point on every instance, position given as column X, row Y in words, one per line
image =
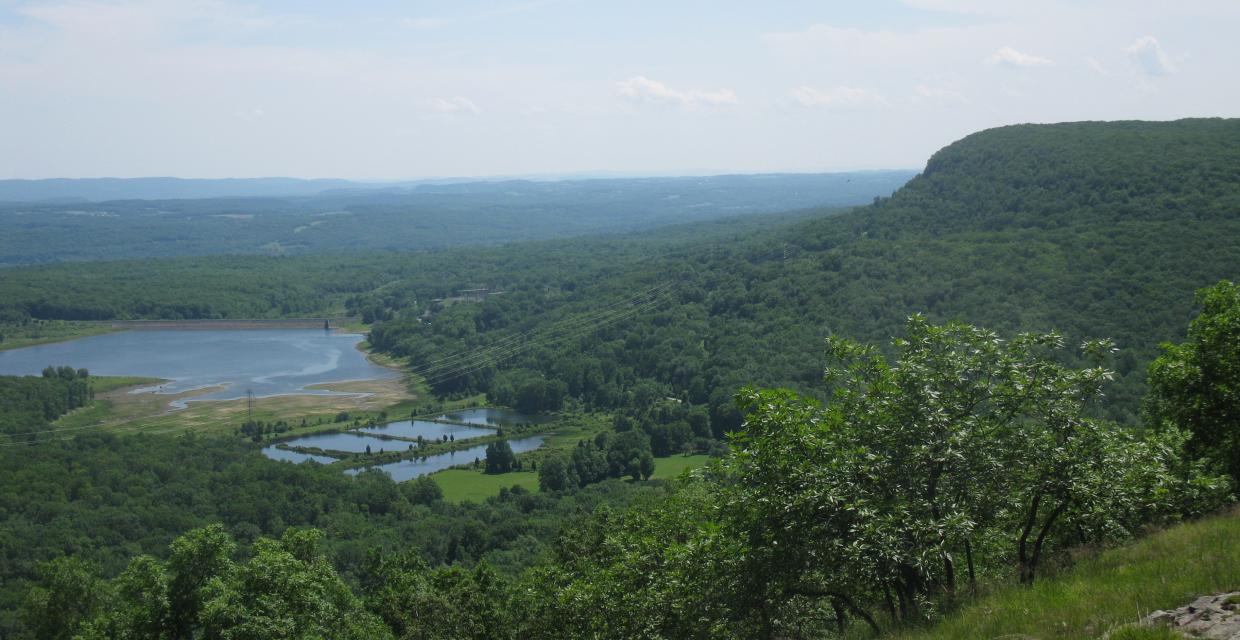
column 141, row 610
column 422, row 490
column 553, row 474
column 1195, row 385
column 398, row 589
column 69, row 593
column 962, row 437
column 286, row 590
column 645, row 465
column 661, row 570
column 195, row 558
column 499, row 457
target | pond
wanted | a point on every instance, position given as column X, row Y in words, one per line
column 347, row 441
column 428, row 430
column 268, row 362
column 490, row 417
column 410, row 469
column 276, row 453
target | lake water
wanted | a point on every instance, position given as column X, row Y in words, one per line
column 489, row 417
column 428, row 430
column 410, row 469
column 348, row 441
column 268, row 362
column 276, row 453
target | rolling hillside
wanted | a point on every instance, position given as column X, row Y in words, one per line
column 1091, row 229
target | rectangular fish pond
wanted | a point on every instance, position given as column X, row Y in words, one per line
column 402, row 435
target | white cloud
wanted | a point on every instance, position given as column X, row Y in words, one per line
column 940, row 96
column 1148, row 56
column 1097, row 66
column 1009, row 57
column 454, row 106
column 837, row 98
column 643, row 89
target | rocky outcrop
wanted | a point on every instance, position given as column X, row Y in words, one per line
column 1215, row 617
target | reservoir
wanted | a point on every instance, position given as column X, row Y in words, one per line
column 267, row 362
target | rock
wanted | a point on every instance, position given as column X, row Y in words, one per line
column 1214, row 617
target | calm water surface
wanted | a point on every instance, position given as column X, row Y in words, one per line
column 428, row 430
column 489, row 417
column 349, row 441
column 294, row 456
column 268, row 362
column 410, row 469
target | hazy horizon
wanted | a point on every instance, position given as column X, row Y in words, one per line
column 584, row 174
column 389, row 91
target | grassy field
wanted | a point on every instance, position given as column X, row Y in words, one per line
column 463, row 485
column 117, row 409
column 668, row 468
column 1162, row 571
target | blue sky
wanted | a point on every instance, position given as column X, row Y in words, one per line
column 401, row 90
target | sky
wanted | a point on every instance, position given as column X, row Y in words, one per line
column 421, row 89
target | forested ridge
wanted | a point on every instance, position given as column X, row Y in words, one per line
column 935, row 456
column 1092, row 229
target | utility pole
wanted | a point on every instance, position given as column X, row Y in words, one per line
column 249, row 406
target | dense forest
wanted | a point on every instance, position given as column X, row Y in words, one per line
column 933, row 457
column 30, row 404
column 426, row 216
column 103, row 499
column 962, row 459
column 1081, row 228
column 327, row 284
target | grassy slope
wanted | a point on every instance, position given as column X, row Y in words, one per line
column 1165, row 570
column 17, row 336
column 668, row 468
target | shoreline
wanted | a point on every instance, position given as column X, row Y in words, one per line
column 334, row 324
column 78, row 329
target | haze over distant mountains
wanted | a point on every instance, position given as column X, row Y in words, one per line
column 47, row 220
column 170, row 188
column 102, row 189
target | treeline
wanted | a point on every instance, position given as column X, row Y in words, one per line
column 28, row 404
column 962, row 458
column 369, row 285
column 623, row 454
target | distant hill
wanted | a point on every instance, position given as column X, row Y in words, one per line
column 1091, row 229
column 395, row 217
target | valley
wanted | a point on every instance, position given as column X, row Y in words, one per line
column 842, row 421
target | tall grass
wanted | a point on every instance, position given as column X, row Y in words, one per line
column 1164, row 570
